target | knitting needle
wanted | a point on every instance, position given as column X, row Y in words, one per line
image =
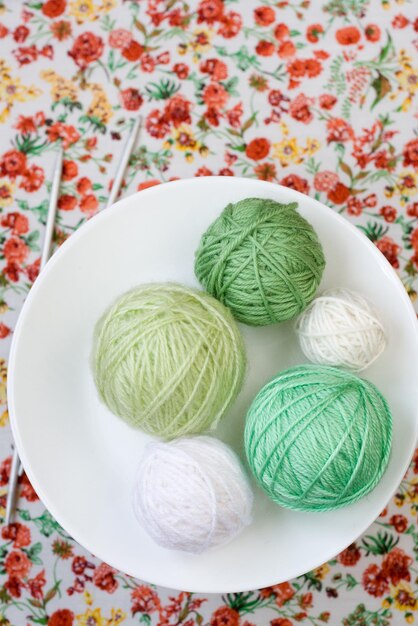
column 124, row 160
column 15, row 469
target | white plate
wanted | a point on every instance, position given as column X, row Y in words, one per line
column 81, row 459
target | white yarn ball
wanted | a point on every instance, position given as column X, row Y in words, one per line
column 341, row 328
column 192, row 494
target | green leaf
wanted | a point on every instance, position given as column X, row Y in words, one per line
column 294, row 33
column 140, row 26
column 384, row 542
column 25, row 515
column 230, row 86
column 382, row 87
column 386, row 49
column 163, row 90
column 346, row 169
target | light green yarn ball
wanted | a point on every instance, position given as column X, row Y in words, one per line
column 168, row 359
column 262, row 259
column 318, row 438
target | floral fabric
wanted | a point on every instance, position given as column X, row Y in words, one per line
column 316, row 95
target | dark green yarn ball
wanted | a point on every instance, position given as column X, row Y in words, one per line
column 261, row 259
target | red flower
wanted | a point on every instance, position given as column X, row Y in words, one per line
column 148, row 183
column 62, row 617
column 5, row 471
column 144, row 600
column 339, row 130
column 395, row 566
column 67, row 202
column 103, row 578
column 18, row 533
column 306, row 600
column 27, row 491
column 283, row 592
column 87, row 48
column 370, row 201
column 389, row 213
column 234, row 115
column 400, row 21
column 297, row 68
column 299, row 109
column 133, row 51
column 26, row 15
column 83, row 185
column 216, row 69
column 286, row 49
column 147, row 63
column 412, row 209
column 79, row 564
column 119, row 38
column 157, row 124
column 375, row 581
column 210, row 11
column 89, row 203
column 225, row 171
column 281, row 621
column 28, row 124
column 265, row 171
column 348, row 35
column 182, row 70
column 258, row 149
column 54, row 8
column 327, row 101
column 69, row 170
column 390, row 249
column 399, row 522
column 204, row 171
column 313, row 31
column 61, row 30
column 312, row 68
column 26, row 55
column 265, row 48
column 47, row 51
column 17, row 222
column 33, row 179
column 281, row 31
column 17, row 564
column 339, row 194
column 372, row 32
column 264, row 16
column 350, row 556
column 13, row 163
column 177, row 111
column 14, row 586
column 4, row 330
column 230, row 25
column 36, row 584
column 20, row 33
column 32, row 270
column 215, row 95
column 15, row 250
column 325, row 181
column 354, row 206
column 131, row 99
column 410, row 153
column 67, row 133
column 293, row 181
column 225, row 616
column 12, row 271
column 3, row 31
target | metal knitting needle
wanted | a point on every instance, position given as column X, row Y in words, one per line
column 16, row 467
column 124, row 160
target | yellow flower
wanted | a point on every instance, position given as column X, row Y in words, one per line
column 408, row 79
column 312, row 146
column 404, row 598
column 100, row 106
column 12, row 90
column 284, row 128
column 386, row 603
column 83, row 10
column 117, row 617
column 108, row 5
column 410, row 618
column 184, row 139
column 4, row 418
column 287, row 151
column 62, row 88
column 321, row 571
column 91, row 618
column 201, row 41
column 6, row 192
column 88, row 598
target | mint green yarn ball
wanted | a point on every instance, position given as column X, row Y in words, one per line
column 318, row 438
column 168, row 359
column 262, row 259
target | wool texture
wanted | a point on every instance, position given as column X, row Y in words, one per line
column 318, row 438
column 168, row 359
column 262, row 259
column 341, row 328
column 192, row 494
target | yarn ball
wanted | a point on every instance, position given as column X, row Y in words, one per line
column 192, row 494
column 340, row 327
column 168, row 359
column 262, row 260
column 318, row 438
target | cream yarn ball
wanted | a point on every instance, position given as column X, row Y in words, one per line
column 340, row 328
column 192, row 494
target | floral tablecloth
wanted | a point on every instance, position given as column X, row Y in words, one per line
column 318, row 96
